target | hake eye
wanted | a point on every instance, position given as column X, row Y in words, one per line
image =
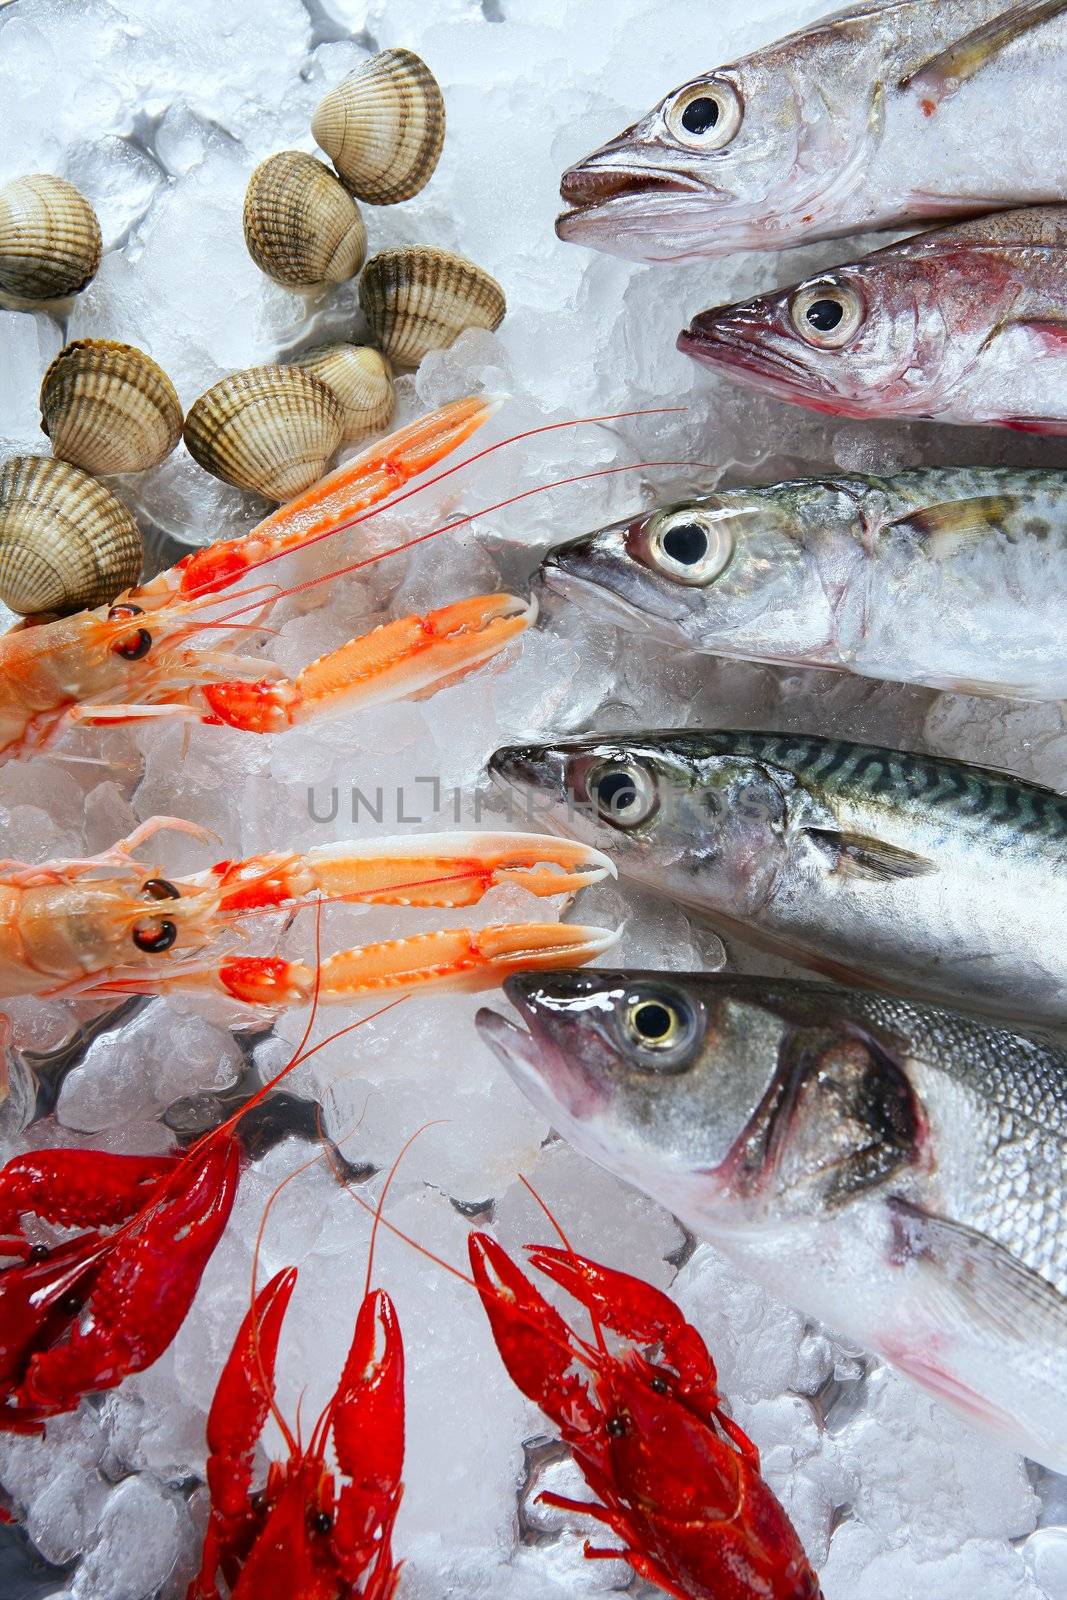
column 623, row 793
column 705, row 115
column 690, row 545
column 827, row 314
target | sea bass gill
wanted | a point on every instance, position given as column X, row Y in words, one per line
column 879, row 116
column 909, row 872
column 898, row 1171
column 907, row 578
column 965, row 324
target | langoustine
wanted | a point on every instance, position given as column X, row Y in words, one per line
column 112, row 924
column 966, row 324
column 877, row 116
column 141, row 658
column 906, row 578
column 896, row 1170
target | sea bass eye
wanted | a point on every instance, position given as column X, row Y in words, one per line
column 623, row 792
column 690, row 545
column 705, row 115
column 827, row 315
column 662, row 1026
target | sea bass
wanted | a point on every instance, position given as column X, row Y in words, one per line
column 898, row 1171
column 955, row 578
column 878, row 116
column 924, row 875
column 964, row 324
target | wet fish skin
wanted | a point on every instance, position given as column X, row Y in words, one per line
column 965, row 324
column 897, row 1170
column 881, row 115
column 912, row 873
column 908, row 578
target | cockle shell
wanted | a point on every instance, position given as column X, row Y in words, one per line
column 302, row 226
column 108, row 407
column 66, row 542
column 49, row 239
column 268, row 429
column 383, row 127
column 360, row 378
column 418, row 299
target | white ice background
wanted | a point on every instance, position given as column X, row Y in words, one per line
column 159, row 111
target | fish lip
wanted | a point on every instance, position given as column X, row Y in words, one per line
column 534, row 1063
column 592, row 184
column 709, row 340
column 595, row 597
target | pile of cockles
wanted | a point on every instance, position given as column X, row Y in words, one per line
column 68, row 542
column 882, row 1145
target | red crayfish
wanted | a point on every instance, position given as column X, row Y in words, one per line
column 302, row 1537
column 676, row 1480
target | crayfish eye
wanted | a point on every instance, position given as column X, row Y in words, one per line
column 40, row 1252
column 618, row 1426
column 321, row 1522
column 659, row 1385
column 71, row 1304
column 258, row 1501
column 160, row 889
column 153, row 935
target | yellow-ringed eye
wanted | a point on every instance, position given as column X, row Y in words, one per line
column 827, row 314
column 654, row 1023
column 623, row 792
column 690, row 545
column 662, row 1026
column 705, row 115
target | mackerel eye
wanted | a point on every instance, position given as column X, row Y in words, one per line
column 705, row 115
column 690, row 545
column 827, row 315
column 623, row 792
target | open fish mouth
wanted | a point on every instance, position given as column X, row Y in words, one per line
column 597, row 597
column 582, row 187
column 536, row 1065
column 719, row 343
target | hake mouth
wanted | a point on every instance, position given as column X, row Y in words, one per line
column 586, row 188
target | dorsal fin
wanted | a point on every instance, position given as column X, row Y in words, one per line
column 940, row 75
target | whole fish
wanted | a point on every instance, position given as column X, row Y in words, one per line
column 878, row 116
column 955, row 578
column 896, row 1170
column 907, row 872
column 964, row 324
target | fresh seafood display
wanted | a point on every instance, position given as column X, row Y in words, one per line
column 131, row 661
column 677, row 1481
column 894, row 1169
column 112, row 924
column 965, row 324
column 302, row 227
column 909, row 872
column 360, row 378
column 875, row 116
column 383, row 127
column 66, row 543
column 905, row 578
column 303, row 1534
column 417, row 300
column 108, row 407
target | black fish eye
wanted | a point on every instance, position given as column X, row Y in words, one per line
column 686, row 543
column 825, row 315
column 623, row 792
column 700, row 115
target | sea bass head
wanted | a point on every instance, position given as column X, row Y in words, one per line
column 729, row 570
column 728, row 1098
column 682, row 812
column 750, row 156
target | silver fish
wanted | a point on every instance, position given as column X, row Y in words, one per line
column 898, row 1171
column 954, row 578
column 878, row 116
column 965, row 324
column 910, row 872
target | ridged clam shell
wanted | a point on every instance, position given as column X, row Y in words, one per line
column 269, row 429
column 360, row 378
column 49, row 238
column 66, row 542
column 383, row 127
column 108, row 407
column 418, row 299
column 302, row 226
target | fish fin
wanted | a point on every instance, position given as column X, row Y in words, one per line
column 980, row 1281
column 938, row 77
column 947, row 527
column 865, row 857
